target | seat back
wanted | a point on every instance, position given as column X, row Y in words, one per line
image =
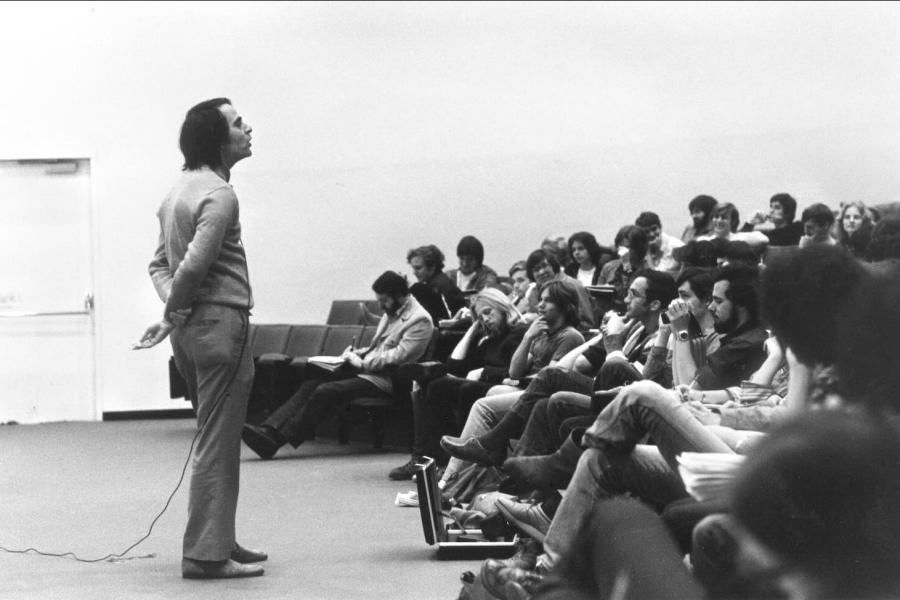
column 349, row 312
column 266, row 339
column 339, row 337
column 306, row 340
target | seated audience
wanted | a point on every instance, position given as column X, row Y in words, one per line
column 734, row 310
column 812, row 516
column 472, row 273
column 434, row 290
column 700, row 208
column 614, row 350
column 479, row 361
column 659, row 244
column 402, row 336
column 817, row 220
column 778, row 222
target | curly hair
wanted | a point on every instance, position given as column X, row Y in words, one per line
column 804, row 296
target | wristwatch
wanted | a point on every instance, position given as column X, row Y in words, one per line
column 683, row 335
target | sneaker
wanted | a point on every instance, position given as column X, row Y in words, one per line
column 406, row 471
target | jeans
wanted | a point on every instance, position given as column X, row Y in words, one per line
column 485, row 414
column 542, row 433
column 616, row 464
column 547, row 381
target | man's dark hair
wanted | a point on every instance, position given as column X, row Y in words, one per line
column 392, row 284
column 731, row 209
column 885, row 240
column 565, row 297
column 590, row 244
column 742, row 287
column 702, row 202
column 471, row 246
column 431, row 255
column 788, row 205
column 696, row 253
column 203, row 133
column 804, row 297
column 660, row 286
column 819, row 214
column 735, row 251
column 536, row 258
column 648, row 219
column 700, row 279
column 636, row 239
column 821, row 493
column 867, row 334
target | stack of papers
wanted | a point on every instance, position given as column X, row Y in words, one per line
column 708, row 475
column 410, row 498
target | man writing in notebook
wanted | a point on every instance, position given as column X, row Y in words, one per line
column 403, row 335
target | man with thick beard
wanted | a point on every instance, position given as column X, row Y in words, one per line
column 700, row 209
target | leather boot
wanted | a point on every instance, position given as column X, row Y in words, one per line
column 551, row 471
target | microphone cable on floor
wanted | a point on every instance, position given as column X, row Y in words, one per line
column 121, row 556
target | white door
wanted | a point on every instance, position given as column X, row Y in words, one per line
column 46, row 316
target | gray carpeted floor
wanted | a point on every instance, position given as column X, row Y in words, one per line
column 324, row 512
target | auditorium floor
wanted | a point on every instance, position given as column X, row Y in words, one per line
column 324, row 512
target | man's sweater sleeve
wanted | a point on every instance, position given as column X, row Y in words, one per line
column 214, row 216
column 159, row 270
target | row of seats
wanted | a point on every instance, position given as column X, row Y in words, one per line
column 280, row 351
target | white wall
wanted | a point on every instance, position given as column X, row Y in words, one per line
column 382, row 126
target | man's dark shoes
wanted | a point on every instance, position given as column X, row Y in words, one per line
column 219, row 569
column 247, row 556
column 530, row 519
column 539, row 472
column 261, row 439
column 471, row 450
column 406, row 471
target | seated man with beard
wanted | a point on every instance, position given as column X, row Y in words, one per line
column 402, row 336
column 479, row 361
